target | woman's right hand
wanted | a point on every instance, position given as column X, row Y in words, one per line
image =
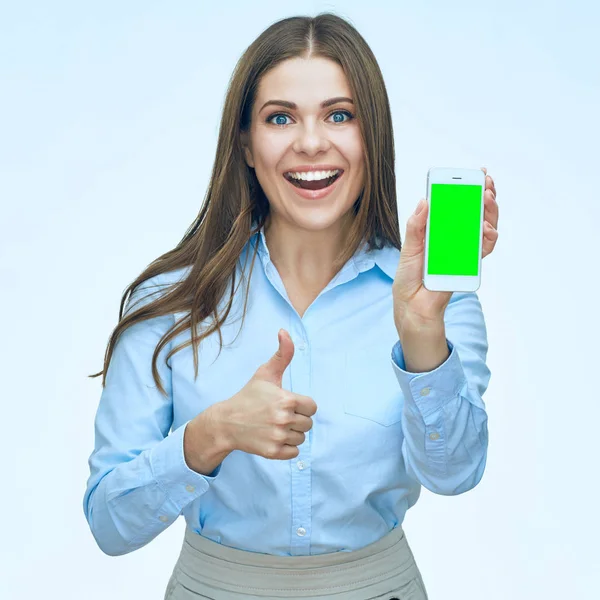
column 264, row 419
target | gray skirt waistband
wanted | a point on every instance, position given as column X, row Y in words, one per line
column 207, row 569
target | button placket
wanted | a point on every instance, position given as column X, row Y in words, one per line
column 299, row 373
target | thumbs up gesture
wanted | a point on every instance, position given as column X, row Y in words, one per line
column 264, row 419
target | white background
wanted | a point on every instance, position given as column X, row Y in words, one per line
column 109, row 114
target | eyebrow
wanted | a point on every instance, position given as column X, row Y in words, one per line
column 293, row 106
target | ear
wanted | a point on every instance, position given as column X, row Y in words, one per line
column 247, row 151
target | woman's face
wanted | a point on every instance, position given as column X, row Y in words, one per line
column 282, row 139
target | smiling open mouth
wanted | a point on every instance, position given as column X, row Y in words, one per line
column 316, row 184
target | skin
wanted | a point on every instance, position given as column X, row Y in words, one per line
column 304, row 236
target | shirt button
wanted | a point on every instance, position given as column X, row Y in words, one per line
column 163, row 518
column 434, row 436
column 301, row 464
column 190, row 488
column 302, row 346
column 425, row 391
column 301, row 531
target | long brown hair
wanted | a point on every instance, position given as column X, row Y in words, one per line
column 235, row 200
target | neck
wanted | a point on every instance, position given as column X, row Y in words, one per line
column 304, row 255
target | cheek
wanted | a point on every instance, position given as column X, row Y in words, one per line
column 270, row 148
column 352, row 147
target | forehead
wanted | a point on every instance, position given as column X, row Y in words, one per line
column 305, row 81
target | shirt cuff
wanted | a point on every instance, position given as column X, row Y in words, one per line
column 180, row 483
column 430, row 390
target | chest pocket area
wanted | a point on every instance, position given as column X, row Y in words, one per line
column 370, row 387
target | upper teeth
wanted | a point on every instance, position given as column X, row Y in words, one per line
column 312, row 175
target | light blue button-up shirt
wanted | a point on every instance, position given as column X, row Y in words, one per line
column 379, row 433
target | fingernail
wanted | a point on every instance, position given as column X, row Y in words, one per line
column 420, row 206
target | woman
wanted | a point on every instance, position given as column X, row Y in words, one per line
column 293, row 476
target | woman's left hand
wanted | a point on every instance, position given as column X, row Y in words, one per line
column 410, row 296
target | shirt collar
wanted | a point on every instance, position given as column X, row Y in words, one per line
column 386, row 258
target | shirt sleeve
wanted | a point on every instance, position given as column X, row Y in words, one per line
column 444, row 417
column 139, row 481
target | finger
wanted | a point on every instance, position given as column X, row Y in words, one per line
column 302, row 423
column 490, row 213
column 489, row 182
column 295, row 438
column 490, row 230
column 490, row 237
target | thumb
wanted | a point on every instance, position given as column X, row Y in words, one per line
column 415, row 230
column 273, row 369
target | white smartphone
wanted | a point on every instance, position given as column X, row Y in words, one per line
column 454, row 230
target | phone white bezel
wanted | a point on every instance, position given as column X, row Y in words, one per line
column 453, row 283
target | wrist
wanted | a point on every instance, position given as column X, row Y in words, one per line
column 216, row 422
column 412, row 322
column 203, row 446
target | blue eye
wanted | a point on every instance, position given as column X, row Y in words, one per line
column 344, row 112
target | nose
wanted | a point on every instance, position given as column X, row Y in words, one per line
column 311, row 139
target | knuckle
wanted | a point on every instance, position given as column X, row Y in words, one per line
column 282, row 419
column 279, row 435
column 272, row 451
column 288, row 402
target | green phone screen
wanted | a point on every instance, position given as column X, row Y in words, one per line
column 454, row 229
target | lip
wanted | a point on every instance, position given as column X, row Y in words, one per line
column 306, row 168
column 315, row 194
